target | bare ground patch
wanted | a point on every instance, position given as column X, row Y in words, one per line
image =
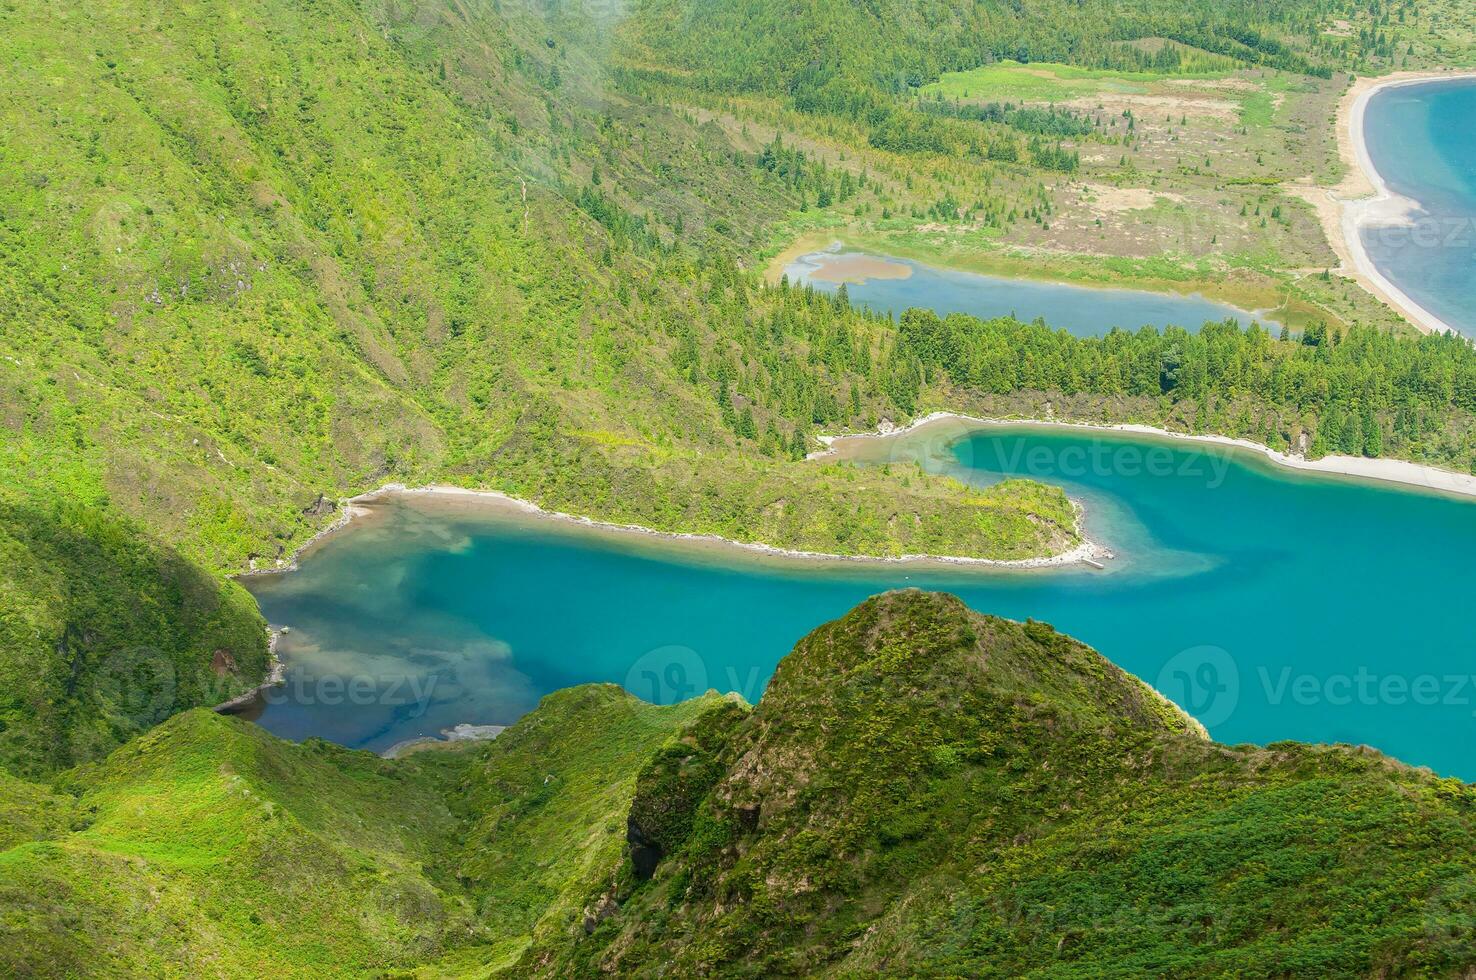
column 1182, row 105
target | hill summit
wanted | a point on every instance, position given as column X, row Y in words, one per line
column 922, row 790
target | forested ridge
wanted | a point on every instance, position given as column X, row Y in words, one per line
column 249, row 281
column 823, row 56
column 1368, row 392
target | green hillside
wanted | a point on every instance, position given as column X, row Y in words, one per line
column 922, row 791
column 208, row 847
column 256, row 261
column 827, row 51
column 926, row 791
column 103, row 634
column 826, row 54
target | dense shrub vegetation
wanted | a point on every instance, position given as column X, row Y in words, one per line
column 103, row 634
column 922, row 790
column 926, row 791
column 256, row 258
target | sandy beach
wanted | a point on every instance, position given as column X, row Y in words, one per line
column 810, row 241
column 1395, row 471
column 1364, row 199
column 515, row 507
column 856, row 268
column 361, row 508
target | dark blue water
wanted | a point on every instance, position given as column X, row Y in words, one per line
column 1083, row 310
column 1422, row 139
column 1272, row 607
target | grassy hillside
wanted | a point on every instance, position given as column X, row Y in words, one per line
column 548, row 803
column 255, row 261
column 922, row 791
column 207, row 846
column 210, row 847
column 926, row 791
column 258, row 258
column 103, row 634
column 825, row 52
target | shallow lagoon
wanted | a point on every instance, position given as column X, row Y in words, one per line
column 893, row 285
column 1273, row 605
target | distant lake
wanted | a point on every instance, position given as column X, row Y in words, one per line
column 1272, row 605
column 1422, row 140
column 892, row 285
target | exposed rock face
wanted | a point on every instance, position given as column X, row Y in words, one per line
column 645, row 853
column 603, row 908
column 674, row 783
column 320, row 507
column 223, row 664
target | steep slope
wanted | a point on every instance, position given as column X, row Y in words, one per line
column 256, row 258
column 104, row 634
column 921, row 791
column 254, row 261
column 210, row 847
column 548, row 804
column 926, row 791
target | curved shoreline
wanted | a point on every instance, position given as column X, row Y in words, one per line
column 1380, row 470
column 1364, row 198
column 1086, row 552
column 1086, row 549
column 1395, row 473
column 275, row 675
column 848, row 244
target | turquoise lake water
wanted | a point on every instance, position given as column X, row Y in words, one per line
column 1084, row 311
column 1422, row 139
column 1272, row 606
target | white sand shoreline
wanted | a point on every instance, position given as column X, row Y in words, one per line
column 1364, row 199
column 1399, row 472
column 1086, row 549
column 1390, row 472
column 1087, row 552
